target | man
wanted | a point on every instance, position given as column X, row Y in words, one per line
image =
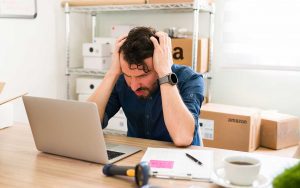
column 142, row 80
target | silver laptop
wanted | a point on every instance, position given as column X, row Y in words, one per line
column 71, row 129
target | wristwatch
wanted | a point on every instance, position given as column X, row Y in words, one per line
column 169, row 78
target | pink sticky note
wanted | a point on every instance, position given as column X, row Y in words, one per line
column 161, row 164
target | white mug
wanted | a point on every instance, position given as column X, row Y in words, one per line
column 241, row 170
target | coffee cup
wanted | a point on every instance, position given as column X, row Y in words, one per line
column 241, row 170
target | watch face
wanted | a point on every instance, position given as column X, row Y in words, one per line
column 173, row 78
column 170, row 79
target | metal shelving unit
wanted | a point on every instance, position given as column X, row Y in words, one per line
column 196, row 7
column 85, row 72
column 203, row 6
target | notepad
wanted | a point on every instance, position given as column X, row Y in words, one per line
column 174, row 164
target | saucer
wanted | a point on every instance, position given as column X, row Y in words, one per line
column 218, row 177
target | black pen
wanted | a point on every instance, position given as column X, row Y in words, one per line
column 193, row 158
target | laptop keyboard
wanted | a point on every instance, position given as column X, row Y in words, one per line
column 113, row 154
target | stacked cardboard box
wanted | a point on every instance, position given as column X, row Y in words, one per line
column 122, row 2
column 182, row 53
column 244, row 129
column 230, row 127
column 279, row 130
column 169, row 1
column 100, row 2
column 174, row 1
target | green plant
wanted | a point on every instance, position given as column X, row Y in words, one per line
column 290, row 178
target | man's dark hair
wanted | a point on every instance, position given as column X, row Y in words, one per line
column 138, row 47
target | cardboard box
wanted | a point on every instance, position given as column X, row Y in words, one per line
column 182, row 53
column 230, row 127
column 1, row 86
column 169, row 1
column 279, row 130
column 6, row 106
column 100, row 2
column 173, row 1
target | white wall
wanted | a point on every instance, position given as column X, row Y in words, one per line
column 266, row 89
column 32, row 53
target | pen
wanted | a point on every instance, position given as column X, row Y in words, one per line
column 193, row 158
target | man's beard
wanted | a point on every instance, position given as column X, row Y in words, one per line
column 146, row 89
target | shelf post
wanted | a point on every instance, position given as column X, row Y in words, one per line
column 196, row 6
column 67, row 14
column 210, row 57
column 94, row 25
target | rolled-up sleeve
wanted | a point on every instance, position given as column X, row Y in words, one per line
column 191, row 87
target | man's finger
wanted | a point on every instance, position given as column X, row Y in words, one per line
column 162, row 38
column 122, row 37
column 170, row 49
column 154, row 41
column 120, row 42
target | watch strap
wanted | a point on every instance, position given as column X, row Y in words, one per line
column 164, row 79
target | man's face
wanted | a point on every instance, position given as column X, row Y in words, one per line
column 141, row 83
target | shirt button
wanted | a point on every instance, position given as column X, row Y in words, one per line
column 147, row 116
column 150, row 98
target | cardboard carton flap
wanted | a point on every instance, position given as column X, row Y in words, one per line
column 6, row 97
column 1, row 86
column 275, row 116
column 222, row 108
column 100, row 2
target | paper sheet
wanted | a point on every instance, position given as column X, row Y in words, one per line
column 173, row 163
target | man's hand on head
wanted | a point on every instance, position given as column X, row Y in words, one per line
column 115, row 66
column 162, row 55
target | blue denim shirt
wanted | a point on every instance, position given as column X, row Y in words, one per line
column 145, row 116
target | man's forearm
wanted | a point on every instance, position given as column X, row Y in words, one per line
column 103, row 92
column 178, row 119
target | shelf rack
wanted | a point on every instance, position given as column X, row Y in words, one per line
column 197, row 6
column 203, row 6
column 85, row 72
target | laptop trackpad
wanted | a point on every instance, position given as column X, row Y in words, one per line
column 110, row 145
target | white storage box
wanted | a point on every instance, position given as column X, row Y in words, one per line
column 83, row 97
column 116, row 123
column 86, row 85
column 97, row 63
column 118, row 30
column 96, row 49
column 105, row 40
column 120, row 114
